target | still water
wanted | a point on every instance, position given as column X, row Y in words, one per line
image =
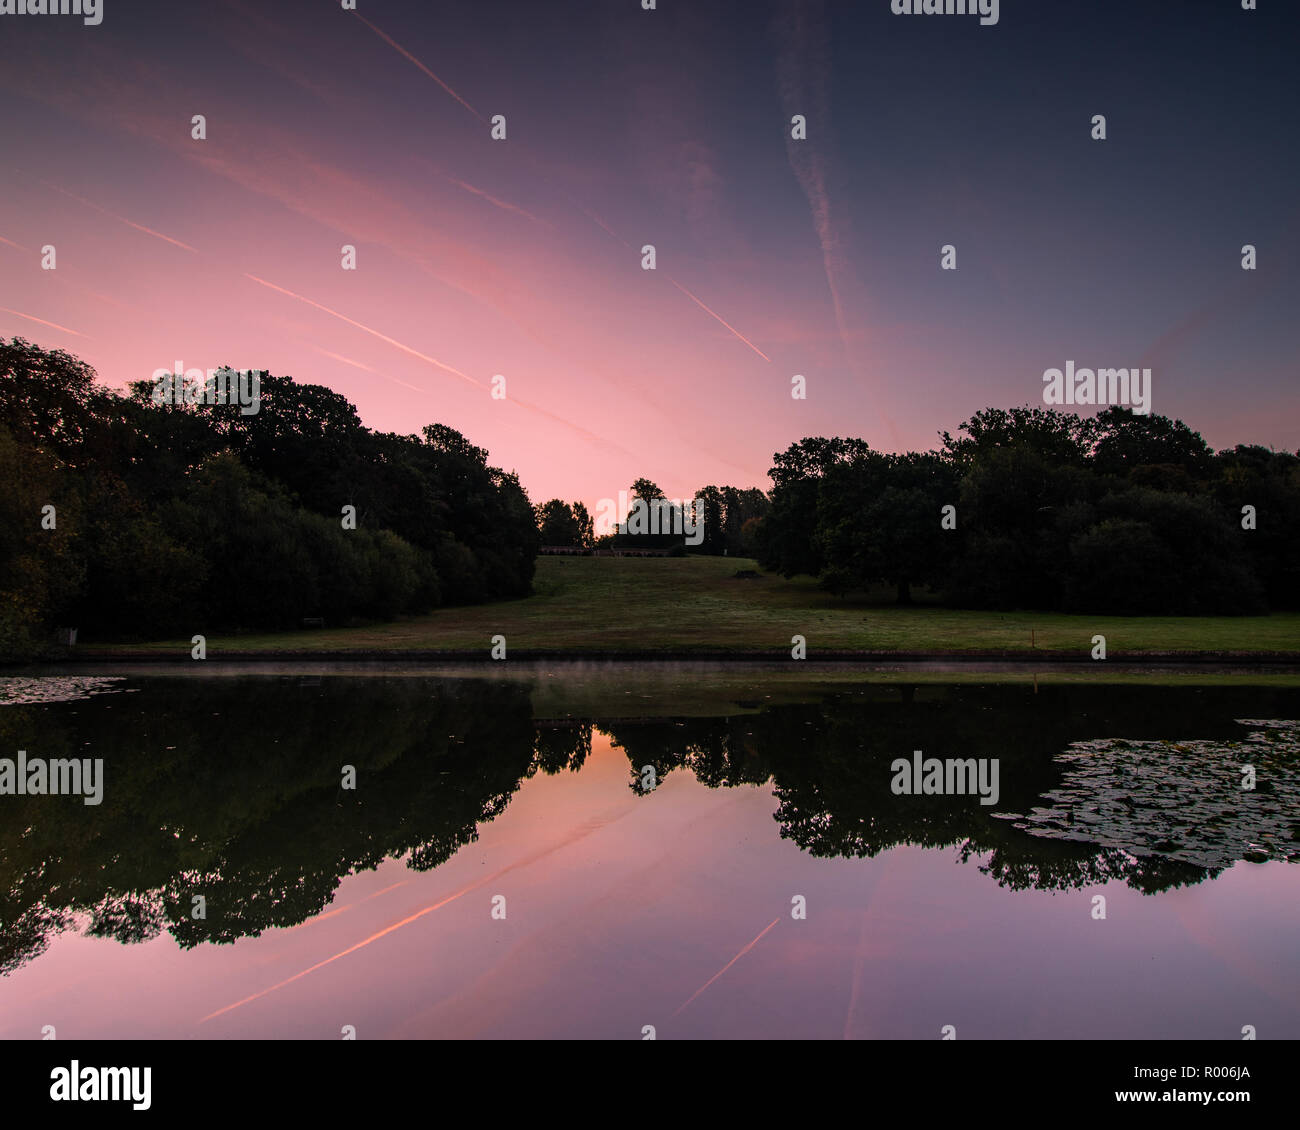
column 571, row 853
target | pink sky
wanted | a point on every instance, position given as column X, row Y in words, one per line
column 519, row 257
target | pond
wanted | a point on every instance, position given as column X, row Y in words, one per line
column 594, row 851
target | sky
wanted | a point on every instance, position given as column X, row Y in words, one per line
column 624, row 127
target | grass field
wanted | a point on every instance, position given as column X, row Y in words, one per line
column 594, row 606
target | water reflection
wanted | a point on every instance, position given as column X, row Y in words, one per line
column 232, row 788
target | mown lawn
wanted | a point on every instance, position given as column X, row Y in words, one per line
column 588, row 605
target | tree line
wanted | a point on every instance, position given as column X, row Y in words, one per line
column 128, row 518
column 131, row 519
column 1040, row 509
column 1027, row 508
column 717, row 521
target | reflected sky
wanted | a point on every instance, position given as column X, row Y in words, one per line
column 674, row 909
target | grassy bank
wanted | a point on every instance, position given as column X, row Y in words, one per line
column 600, row 606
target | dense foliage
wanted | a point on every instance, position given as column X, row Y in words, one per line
column 193, row 518
column 1116, row 513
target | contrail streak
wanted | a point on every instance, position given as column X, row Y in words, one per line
column 592, row 436
column 351, row 949
column 526, row 861
column 92, row 293
column 610, row 231
column 340, row 909
column 368, row 369
column 503, row 204
column 857, row 976
column 718, row 317
column 345, row 360
column 511, row 207
column 121, row 219
column 398, row 47
column 41, row 321
column 729, row 964
column 711, row 313
column 374, row 333
column 434, row 361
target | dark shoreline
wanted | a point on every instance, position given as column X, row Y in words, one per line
column 482, row 655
